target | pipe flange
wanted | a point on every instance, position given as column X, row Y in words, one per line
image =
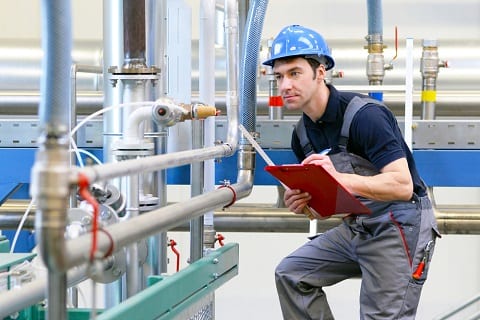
column 114, row 70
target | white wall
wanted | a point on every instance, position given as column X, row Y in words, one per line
column 251, row 295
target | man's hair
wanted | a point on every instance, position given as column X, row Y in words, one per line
column 315, row 63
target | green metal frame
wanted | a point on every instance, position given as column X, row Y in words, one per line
column 4, row 244
column 72, row 314
column 169, row 296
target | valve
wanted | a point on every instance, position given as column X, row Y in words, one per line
column 172, row 245
column 389, row 66
column 167, row 113
column 219, row 237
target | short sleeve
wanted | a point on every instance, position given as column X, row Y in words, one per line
column 375, row 135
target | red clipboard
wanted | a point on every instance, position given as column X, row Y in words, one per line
column 328, row 196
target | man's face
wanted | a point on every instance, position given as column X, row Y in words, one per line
column 296, row 82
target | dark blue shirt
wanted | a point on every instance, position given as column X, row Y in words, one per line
column 374, row 134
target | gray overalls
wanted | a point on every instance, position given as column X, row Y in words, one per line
column 385, row 248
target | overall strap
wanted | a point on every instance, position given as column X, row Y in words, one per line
column 352, row 108
column 305, row 143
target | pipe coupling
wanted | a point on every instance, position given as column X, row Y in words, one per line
column 375, row 68
column 246, row 157
column 50, row 187
column 430, row 62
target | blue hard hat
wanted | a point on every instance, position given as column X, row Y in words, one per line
column 296, row 40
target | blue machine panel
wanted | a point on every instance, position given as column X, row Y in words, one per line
column 446, row 168
column 449, row 168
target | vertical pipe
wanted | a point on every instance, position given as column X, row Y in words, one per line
column 57, row 296
column 134, row 33
column 49, row 185
column 112, row 124
column 133, row 283
column 375, row 60
column 231, row 44
column 57, row 47
column 249, row 64
column 429, row 66
column 248, row 80
column 112, row 56
column 197, row 180
column 375, row 18
column 134, row 91
column 73, row 120
column 207, row 95
column 275, row 102
column 409, row 92
column 155, row 56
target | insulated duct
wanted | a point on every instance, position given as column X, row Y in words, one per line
column 457, row 86
column 249, row 64
column 50, row 186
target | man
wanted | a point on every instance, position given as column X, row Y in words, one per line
column 390, row 248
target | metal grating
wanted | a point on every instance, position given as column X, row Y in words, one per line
column 204, row 309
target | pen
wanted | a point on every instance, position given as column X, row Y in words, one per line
column 325, row 151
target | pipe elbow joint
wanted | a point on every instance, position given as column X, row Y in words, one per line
column 167, row 113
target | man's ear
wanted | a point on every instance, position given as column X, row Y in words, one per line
column 321, row 72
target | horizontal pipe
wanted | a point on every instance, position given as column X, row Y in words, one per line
column 88, row 69
column 452, row 103
column 262, row 218
column 109, row 171
column 28, row 294
column 20, row 64
column 148, row 224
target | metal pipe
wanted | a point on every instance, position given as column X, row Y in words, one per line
column 249, row 63
column 33, row 292
column 112, row 56
column 20, row 62
column 231, row 94
column 206, row 93
column 375, row 60
column 451, row 103
column 49, row 186
column 156, row 12
column 165, row 218
column 429, row 67
column 134, row 34
column 266, row 218
column 196, row 181
column 57, row 289
column 375, row 18
column 75, row 69
column 133, row 282
column 134, row 75
column 123, row 234
column 128, row 167
column 133, row 128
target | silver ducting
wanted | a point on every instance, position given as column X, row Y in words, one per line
column 457, row 85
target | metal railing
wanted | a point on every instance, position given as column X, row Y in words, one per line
column 465, row 307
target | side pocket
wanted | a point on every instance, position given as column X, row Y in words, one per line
column 428, row 234
column 410, row 301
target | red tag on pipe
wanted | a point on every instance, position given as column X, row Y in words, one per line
column 275, row 101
